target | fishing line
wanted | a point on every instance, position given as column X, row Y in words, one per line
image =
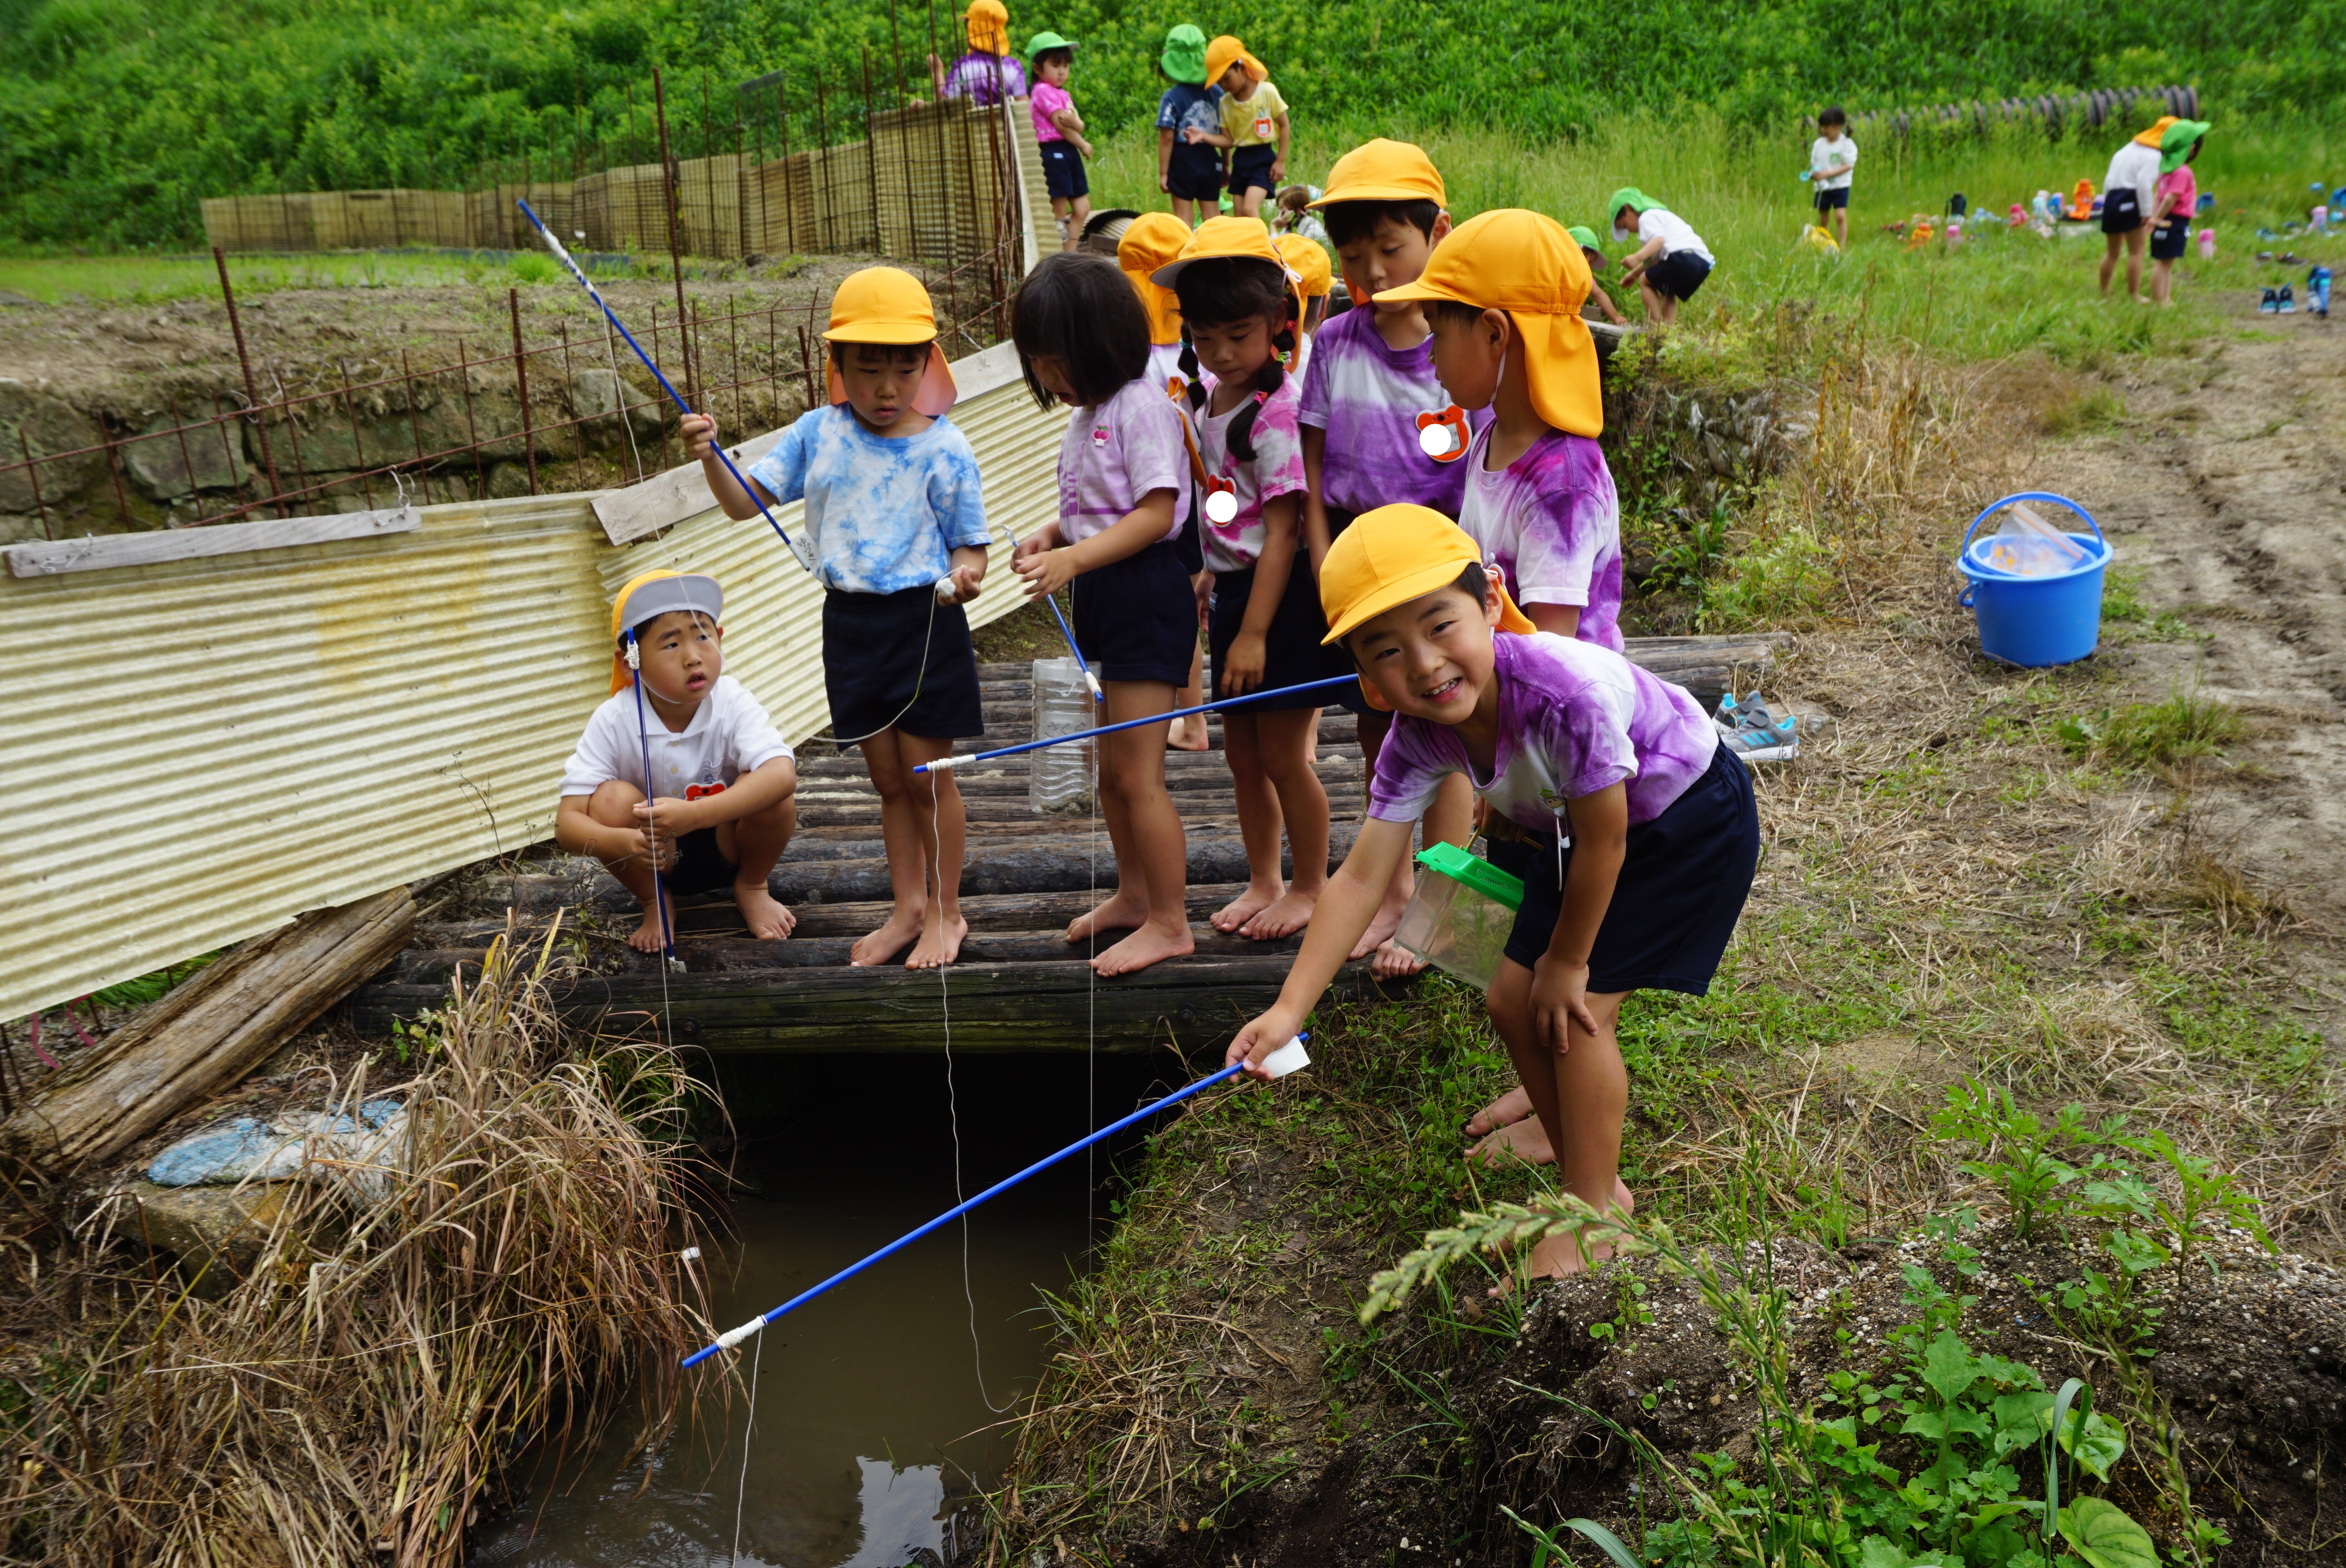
column 659, row 895
column 803, row 551
column 748, row 1430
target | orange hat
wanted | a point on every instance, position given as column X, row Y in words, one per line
column 1226, row 238
column 1526, row 264
column 989, row 26
column 1308, row 262
column 638, row 603
column 1390, row 556
column 1225, row 52
column 1383, row 170
column 888, row 305
column 2157, row 129
column 1152, row 240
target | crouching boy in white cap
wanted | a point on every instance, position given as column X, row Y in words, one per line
column 696, row 780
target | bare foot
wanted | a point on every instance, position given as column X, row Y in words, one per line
column 1509, row 1108
column 1122, row 912
column 1393, row 962
column 1554, row 1257
column 1284, row 916
column 880, row 946
column 1189, row 734
column 1381, row 926
column 766, row 918
column 940, row 944
column 1525, row 1140
column 1246, row 906
column 650, row 936
column 1150, row 944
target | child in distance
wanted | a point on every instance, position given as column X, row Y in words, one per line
column 1671, row 260
column 894, row 506
column 1254, row 125
column 1059, row 135
column 722, row 780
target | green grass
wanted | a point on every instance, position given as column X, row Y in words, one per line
column 2181, row 727
column 2000, row 293
column 153, row 280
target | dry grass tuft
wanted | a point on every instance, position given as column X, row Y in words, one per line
column 355, row 1397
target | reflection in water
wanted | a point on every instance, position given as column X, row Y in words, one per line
column 869, row 1416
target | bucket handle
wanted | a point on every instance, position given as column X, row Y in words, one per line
column 1995, row 506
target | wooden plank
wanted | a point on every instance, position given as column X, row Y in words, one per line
column 1193, row 1004
column 55, row 558
column 207, row 1033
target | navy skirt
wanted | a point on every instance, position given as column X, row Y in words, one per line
column 1138, row 618
column 1682, row 886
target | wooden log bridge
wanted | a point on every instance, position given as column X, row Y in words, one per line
column 1020, row 985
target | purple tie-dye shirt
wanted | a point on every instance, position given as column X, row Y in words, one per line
column 1277, row 470
column 1367, row 395
column 1573, row 718
column 985, row 78
column 1553, row 523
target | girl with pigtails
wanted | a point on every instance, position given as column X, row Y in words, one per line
column 1239, row 310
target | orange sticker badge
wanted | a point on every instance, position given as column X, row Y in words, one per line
column 1443, row 436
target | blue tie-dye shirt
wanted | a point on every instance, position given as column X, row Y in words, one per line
column 886, row 513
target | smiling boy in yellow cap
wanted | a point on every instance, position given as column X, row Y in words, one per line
column 696, row 781
column 897, row 518
column 1371, row 398
column 1254, row 124
column 1632, row 829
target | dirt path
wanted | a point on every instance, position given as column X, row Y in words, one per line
column 2221, row 487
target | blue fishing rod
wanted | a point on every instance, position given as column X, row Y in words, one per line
column 1134, row 723
column 1279, row 1064
column 804, row 552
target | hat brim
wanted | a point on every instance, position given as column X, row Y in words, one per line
column 903, row 333
column 935, row 395
column 1381, row 193
column 1393, row 595
column 1560, row 370
column 1164, row 276
column 666, row 596
column 1417, row 290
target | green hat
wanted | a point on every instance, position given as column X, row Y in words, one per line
column 1628, row 196
column 2175, row 145
column 1584, row 235
column 1184, row 59
column 1046, row 40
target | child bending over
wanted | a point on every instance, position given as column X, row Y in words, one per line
column 1263, row 626
column 1124, row 494
column 1609, row 794
column 1671, row 260
column 893, row 507
column 1254, row 124
column 712, row 804
column 1600, row 295
column 1368, row 395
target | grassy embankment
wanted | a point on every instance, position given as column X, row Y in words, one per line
column 1963, row 883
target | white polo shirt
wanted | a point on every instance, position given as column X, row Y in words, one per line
column 728, row 735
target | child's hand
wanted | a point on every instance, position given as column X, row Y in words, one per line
column 1046, row 571
column 965, row 581
column 1193, row 136
column 1258, row 1040
column 699, row 433
column 1243, row 667
column 1044, row 538
column 670, row 820
column 646, row 846
column 1083, row 146
column 1278, row 169
column 1559, row 999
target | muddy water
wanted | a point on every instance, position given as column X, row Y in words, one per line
column 871, row 1414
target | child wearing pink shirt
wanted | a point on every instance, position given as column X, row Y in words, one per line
column 1059, row 135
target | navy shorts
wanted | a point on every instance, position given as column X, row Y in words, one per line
column 1138, row 618
column 875, row 677
column 1678, row 274
column 2122, row 210
column 1682, row 887
column 1201, row 184
column 1063, row 171
column 1291, row 652
column 1829, row 199
column 1335, row 658
column 1251, row 166
column 2169, row 240
column 700, row 866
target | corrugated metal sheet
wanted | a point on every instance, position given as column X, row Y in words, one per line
column 198, row 752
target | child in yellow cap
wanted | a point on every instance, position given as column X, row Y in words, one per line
column 897, row 519
column 1610, row 796
column 1369, row 396
column 698, row 783
column 1306, row 263
column 1239, row 312
column 1254, row 124
column 1123, row 496
column 1152, row 240
column 987, row 73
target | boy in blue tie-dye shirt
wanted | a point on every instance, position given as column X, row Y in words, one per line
column 898, row 523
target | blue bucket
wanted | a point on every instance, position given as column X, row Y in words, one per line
column 2037, row 621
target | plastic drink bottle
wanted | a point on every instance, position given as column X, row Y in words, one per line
column 2206, row 245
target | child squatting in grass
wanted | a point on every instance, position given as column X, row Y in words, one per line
column 723, row 783
column 1605, row 779
column 893, row 507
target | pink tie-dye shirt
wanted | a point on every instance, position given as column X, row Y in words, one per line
column 1573, row 718
column 1552, row 522
column 1114, row 454
column 1276, row 470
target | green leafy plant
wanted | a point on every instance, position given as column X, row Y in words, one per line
column 2185, row 726
column 2020, row 1155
